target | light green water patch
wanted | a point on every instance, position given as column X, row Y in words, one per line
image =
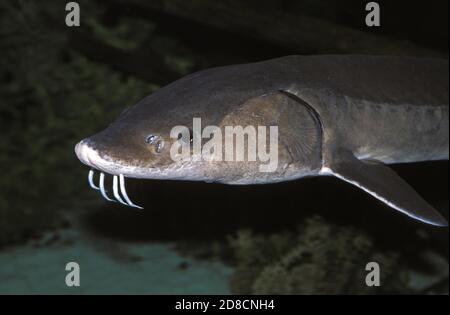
column 150, row 268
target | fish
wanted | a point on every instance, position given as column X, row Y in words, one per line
column 346, row 116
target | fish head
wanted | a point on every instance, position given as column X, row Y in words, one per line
column 141, row 143
column 138, row 144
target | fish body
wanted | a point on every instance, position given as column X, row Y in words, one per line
column 343, row 116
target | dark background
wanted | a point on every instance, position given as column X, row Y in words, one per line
column 60, row 84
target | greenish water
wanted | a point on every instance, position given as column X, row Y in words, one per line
column 151, row 268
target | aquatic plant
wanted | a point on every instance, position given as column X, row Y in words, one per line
column 50, row 97
column 319, row 258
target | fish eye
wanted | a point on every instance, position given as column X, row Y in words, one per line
column 151, row 139
column 156, row 142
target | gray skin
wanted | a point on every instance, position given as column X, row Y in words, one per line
column 344, row 116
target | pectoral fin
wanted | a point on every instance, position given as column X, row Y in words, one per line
column 384, row 184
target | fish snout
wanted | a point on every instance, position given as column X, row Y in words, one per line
column 83, row 150
column 89, row 156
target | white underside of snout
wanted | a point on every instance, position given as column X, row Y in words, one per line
column 114, row 166
column 91, row 158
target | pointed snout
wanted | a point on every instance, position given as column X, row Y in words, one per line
column 91, row 157
column 84, row 152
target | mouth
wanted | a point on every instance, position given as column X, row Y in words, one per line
column 91, row 158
